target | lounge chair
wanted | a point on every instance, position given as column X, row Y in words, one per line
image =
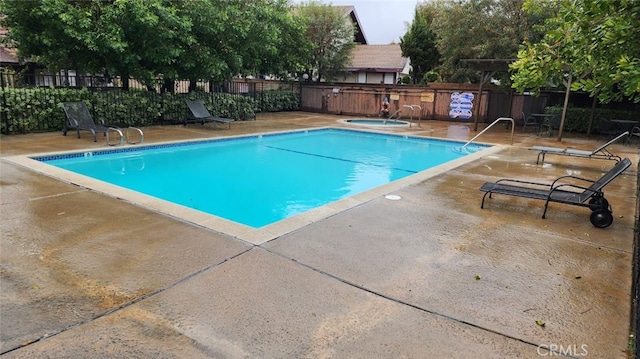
column 562, row 192
column 199, row 113
column 600, row 152
column 79, row 119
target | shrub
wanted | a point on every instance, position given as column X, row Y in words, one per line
column 577, row 118
column 279, row 100
column 24, row 110
column 36, row 110
column 404, row 80
column 430, row 76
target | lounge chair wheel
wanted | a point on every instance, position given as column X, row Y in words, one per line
column 598, row 203
column 601, row 218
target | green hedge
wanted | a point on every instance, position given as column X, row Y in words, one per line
column 127, row 108
column 36, row 110
column 39, row 109
column 279, row 100
column 577, row 119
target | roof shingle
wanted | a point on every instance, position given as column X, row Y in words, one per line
column 7, row 55
column 383, row 58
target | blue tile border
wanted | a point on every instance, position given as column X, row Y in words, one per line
column 247, row 137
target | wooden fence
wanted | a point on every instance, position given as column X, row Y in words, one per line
column 436, row 101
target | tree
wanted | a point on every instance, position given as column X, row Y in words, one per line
column 283, row 52
column 238, row 37
column 419, row 43
column 330, row 36
column 145, row 39
column 594, row 40
column 478, row 29
column 124, row 37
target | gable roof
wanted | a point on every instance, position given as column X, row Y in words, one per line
column 350, row 11
column 378, row 58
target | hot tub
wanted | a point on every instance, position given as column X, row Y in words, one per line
column 375, row 122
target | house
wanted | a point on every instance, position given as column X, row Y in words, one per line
column 9, row 63
column 373, row 64
column 8, row 56
column 25, row 71
column 377, row 64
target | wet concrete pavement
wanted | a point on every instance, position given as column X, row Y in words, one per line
column 428, row 276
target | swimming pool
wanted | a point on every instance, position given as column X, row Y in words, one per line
column 275, row 182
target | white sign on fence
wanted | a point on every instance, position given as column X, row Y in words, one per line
column 461, row 105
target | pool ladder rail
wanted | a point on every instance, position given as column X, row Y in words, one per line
column 509, row 119
column 126, row 136
column 391, row 117
column 399, row 112
column 411, row 108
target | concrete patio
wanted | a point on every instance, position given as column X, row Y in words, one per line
column 84, row 274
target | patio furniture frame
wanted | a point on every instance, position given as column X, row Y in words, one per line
column 199, row 113
column 599, row 153
column 79, row 119
column 560, row 191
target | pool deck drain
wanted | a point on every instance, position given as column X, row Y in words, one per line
column 431, row 275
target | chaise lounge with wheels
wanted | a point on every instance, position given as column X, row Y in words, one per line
column 560, row 191
column 79, row 119
column 600, row 152
column 200, row 114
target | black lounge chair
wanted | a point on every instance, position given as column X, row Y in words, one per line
column 567, row 193
column 79, row 119
column 600, row 152
column 199, row 113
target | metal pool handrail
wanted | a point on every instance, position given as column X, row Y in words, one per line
column 116, row 130
column 411, row 107
column 140, row 134
column 491, row 125
column 391, row 117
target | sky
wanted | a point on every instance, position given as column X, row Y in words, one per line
column 382, row 21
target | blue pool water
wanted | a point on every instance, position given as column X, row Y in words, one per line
column 258, row 180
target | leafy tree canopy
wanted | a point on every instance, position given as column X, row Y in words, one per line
column 331, row 39
column 596, row 40
column 479, row 29
column 419, row 43
column 208, row 39
column 448, row 31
